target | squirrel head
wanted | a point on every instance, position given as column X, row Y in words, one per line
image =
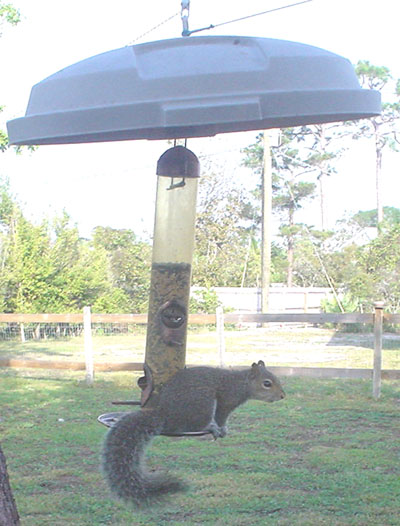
column 264, row 385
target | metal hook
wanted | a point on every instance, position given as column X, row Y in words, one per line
column 185, row 5
column 173, row 185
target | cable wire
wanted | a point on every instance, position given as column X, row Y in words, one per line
column 212, row 26
column 153, row 28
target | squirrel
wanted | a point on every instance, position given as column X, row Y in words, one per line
column 194, row 399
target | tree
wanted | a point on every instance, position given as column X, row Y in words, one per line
column 369, row 218
column 381, row 129
column 8, row 15
column 290, row 198
column 311, row 265
column 290, row 193
column 224, row 251
column 128, row 264
column 49, row 268
column 79, row 273
column 29, row 268
column 376, row 272
column 8, row 510
column 319, row 151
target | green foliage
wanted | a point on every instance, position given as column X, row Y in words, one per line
column 348, row 304
column 254, row 155
column 278, row 264
column 128, row 263
column 113, row 302
column 378, row 271
column 204, row 301
column 307, row 269
column 372, row 77
column 291, row 196
column 369, row 218
column 289, row 193
column 49, row 268
column 3, row 141
column 223, row 231
column 9, row 14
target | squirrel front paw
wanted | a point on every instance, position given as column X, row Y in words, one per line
column 216, row 430
column 223, row 431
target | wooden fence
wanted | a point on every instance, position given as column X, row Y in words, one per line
column 87, row 319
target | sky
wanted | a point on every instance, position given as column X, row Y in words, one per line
column 113, row 184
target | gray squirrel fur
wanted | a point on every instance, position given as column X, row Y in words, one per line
column 194, row 399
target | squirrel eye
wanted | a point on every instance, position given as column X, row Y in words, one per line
column 267, row 383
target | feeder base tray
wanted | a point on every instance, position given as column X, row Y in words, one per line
column 109, row 419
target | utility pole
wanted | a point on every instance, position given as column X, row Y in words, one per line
column 266, row 210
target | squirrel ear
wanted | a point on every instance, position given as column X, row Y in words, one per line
column 261, row 363
column 255, row 371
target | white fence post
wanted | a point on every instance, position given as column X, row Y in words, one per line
column 219, row 314
column 22, row 329
column 378, row 330
column 88, row 343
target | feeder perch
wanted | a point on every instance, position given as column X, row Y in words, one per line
column 109, row 419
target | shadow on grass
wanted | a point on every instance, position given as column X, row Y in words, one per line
column 390, row 341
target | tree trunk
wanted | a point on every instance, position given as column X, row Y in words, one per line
column 379, row 206
column 290, row 247
column 290, row 262
column 322, row 201
column 8, row 510
column 323, row 170
column 378, row 174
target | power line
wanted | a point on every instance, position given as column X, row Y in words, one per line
column 154, row 28
column 212, row 26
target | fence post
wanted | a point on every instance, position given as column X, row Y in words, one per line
column 22, row 329
column 219, row 314
column 378, row 330
column 88, row 344
column 305, row 302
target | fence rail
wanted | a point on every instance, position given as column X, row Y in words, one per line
column 206, row 319
column 87, row 319
column 139, row 319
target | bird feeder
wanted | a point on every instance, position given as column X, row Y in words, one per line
column 183, row 88
column 178, row 170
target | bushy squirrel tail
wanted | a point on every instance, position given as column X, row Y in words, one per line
column 124, row 460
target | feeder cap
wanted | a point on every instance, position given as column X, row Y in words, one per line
column 192, row 87
column 178, row 162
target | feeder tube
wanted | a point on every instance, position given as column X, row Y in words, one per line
column 173, row 246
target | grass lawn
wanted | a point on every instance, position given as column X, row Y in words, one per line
column 326, row 455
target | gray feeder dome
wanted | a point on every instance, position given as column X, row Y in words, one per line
column 192, row 87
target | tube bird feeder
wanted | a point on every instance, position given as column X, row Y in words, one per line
column 182, row 88
column 178, row 170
